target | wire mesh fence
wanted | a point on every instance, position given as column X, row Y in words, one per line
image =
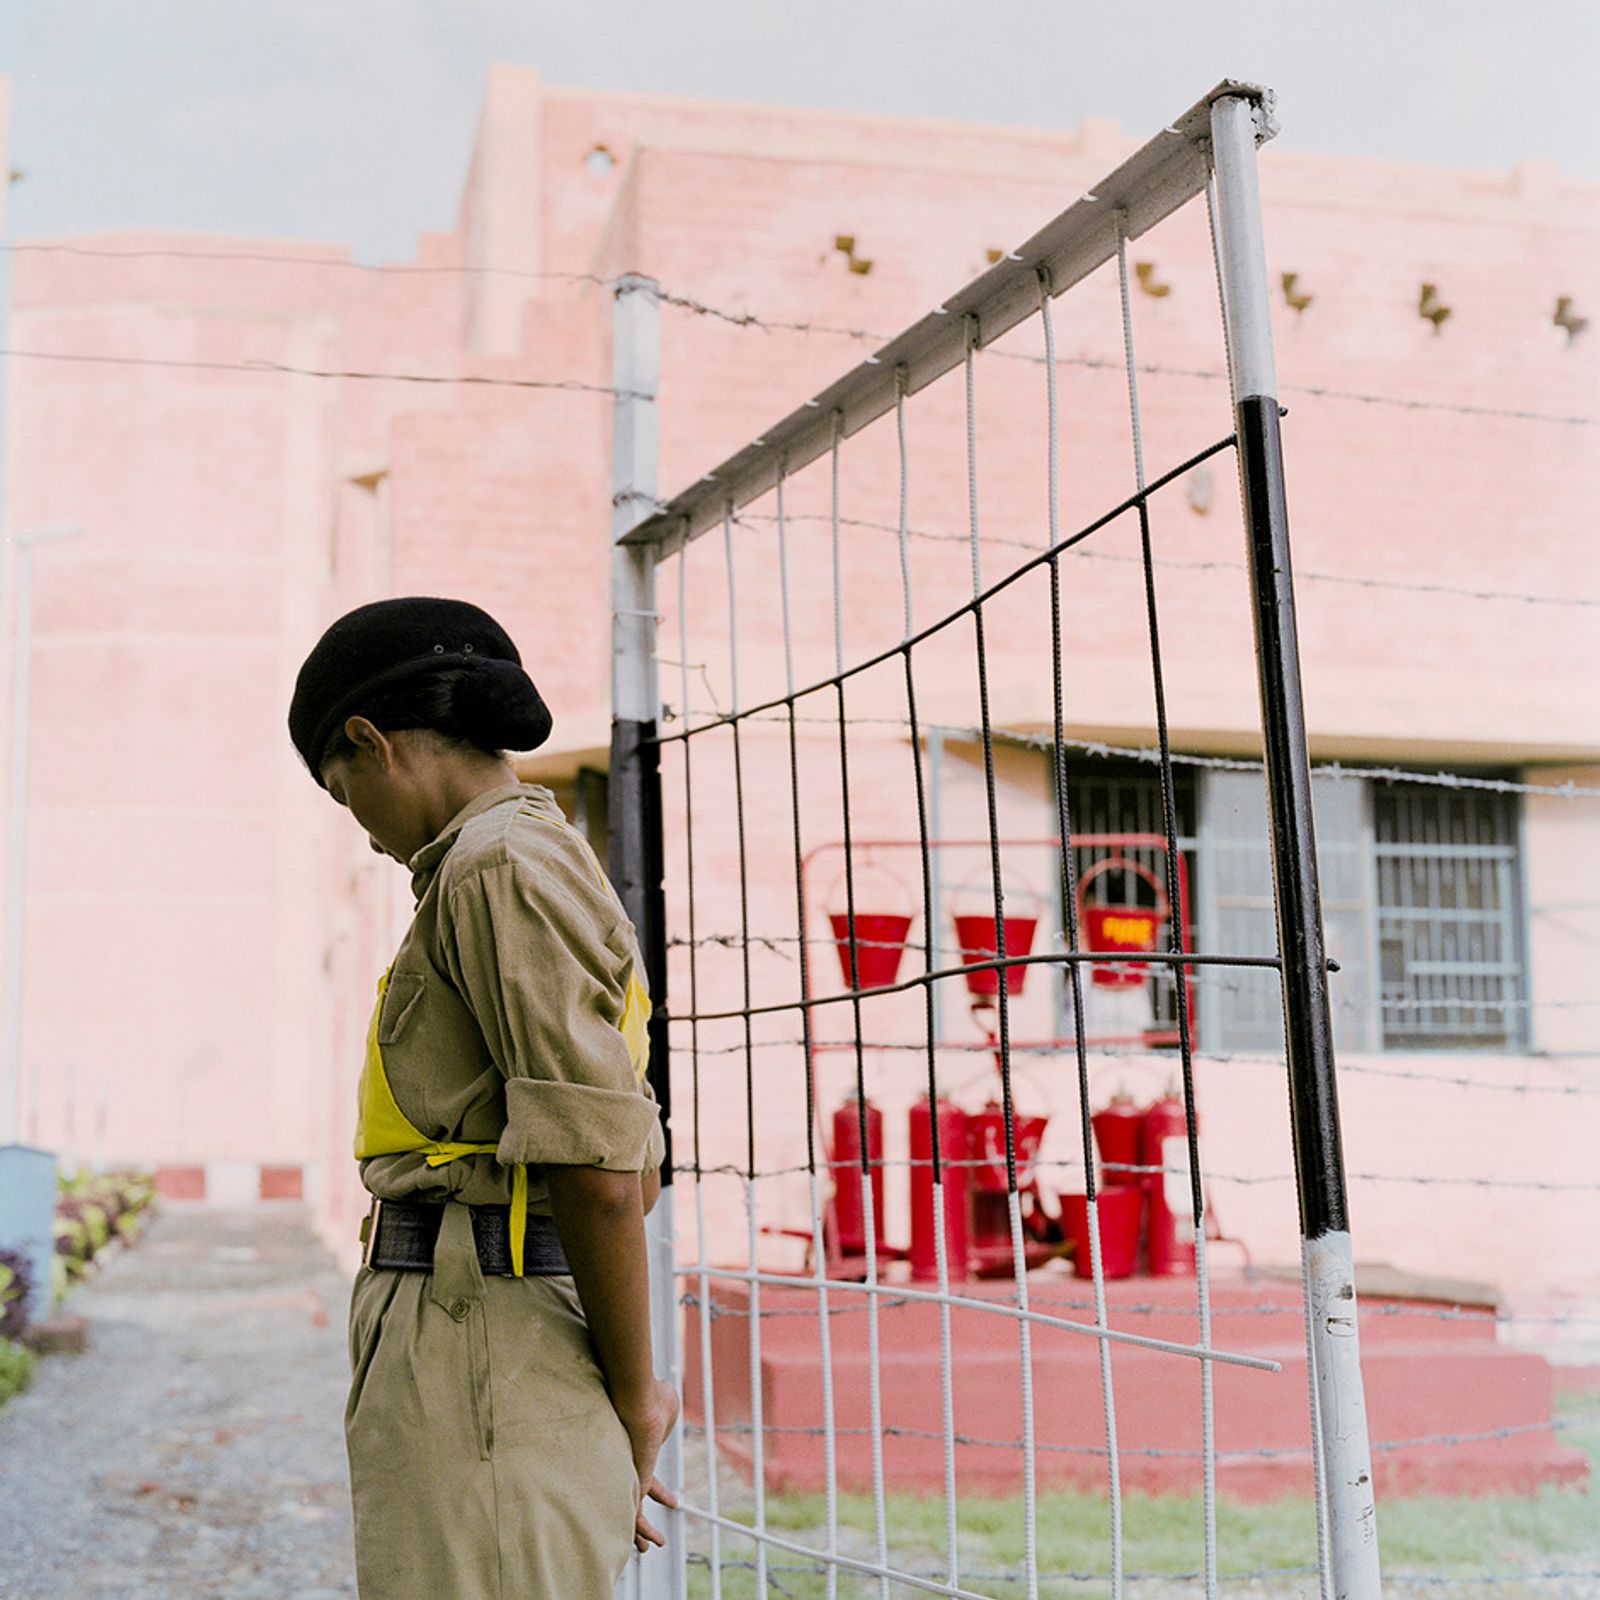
column 897, row 1015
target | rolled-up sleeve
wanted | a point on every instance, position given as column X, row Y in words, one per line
column 527, row 950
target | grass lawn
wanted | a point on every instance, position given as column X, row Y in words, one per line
column 1503, row 1540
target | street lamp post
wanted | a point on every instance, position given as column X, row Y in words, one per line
column 25, row 543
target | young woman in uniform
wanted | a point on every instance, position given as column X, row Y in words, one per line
column 504, row 1419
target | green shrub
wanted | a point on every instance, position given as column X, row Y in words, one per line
column 16, row 1369
column 136, row 1189
column 72, row 1238
column 97, row 1224
column 15, row 1280
column 91, row 1209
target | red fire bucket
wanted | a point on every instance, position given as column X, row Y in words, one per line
column 1121, row 1208
column 976, row 936
column 1121, row 930
column 880, row 943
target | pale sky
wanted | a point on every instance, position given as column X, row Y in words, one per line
column 350, row 121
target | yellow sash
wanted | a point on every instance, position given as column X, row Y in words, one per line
column 383, row 1129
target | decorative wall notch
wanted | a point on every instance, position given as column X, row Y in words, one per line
column 845, row 244
column 1145, row 272
column 1431, row 308
column 1568, row 319
column 1295, row 297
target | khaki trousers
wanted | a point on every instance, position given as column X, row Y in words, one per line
column 486, row 1462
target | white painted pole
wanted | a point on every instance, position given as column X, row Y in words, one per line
column 1242, row 247
column 636, row 712
column 1339, row 1417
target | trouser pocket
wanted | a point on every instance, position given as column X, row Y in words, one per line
column 457, row 1290
column 370, row 1298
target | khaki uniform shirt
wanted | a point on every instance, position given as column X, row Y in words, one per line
column 501, row 1021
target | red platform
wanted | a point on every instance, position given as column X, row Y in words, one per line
column 1426, row 1376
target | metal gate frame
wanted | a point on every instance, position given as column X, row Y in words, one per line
column 1213, row 144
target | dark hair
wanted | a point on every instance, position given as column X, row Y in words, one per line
column 491, row 707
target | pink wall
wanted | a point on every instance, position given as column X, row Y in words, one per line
column 236, row 918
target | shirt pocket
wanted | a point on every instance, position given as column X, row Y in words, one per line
column 399, row 1005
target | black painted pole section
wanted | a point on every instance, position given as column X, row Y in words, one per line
column 1347, row 1534
column 638, row 874
column 1308, row 1024
column 634, row 801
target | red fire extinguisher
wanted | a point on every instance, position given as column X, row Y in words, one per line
column 1164, row 1143
column 1116, row 1136
column 955, row 1177
column 848, row 1210
column 991, row 1252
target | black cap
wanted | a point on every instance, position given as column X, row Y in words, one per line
column 374, row 649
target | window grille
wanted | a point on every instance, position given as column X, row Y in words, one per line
column 1448, row 917
column 1108, row 796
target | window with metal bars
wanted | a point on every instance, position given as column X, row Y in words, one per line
column 1420, row 898
column 1451, row 970
column 1242, row 1008
column 1109, row 796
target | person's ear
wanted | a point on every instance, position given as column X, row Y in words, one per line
column 370, row 741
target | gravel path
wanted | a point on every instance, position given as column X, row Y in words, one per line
column 196, row 1451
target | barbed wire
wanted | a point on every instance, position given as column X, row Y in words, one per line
column 753, row 520
column 287, row 369
column 1448, row 1080
column 1373, row 1305
column 776, row 943
column 1150, row 754
column 1241, row 1180
column 382, row 269
column 1510, row 1575
column 693, row 306
column 748, row 319
column 1056, row 1047
column 1335, row 770
column 1255, row 1577
column 1577, row 1419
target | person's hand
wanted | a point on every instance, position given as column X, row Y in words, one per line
column 648, row 1425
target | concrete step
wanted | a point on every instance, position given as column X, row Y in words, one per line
column 1246, row 1314
column 1451, row 1414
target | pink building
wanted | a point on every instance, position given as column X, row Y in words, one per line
column 255, row 435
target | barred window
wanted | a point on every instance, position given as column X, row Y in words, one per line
column 1450, row 951
column 1421, row 902
column 1242, row 1008
column 1110, row 796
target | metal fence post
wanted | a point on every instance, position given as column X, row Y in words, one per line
column 1339, row 1415
column 635, row 818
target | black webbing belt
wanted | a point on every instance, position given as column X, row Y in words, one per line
column 401, row 1236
